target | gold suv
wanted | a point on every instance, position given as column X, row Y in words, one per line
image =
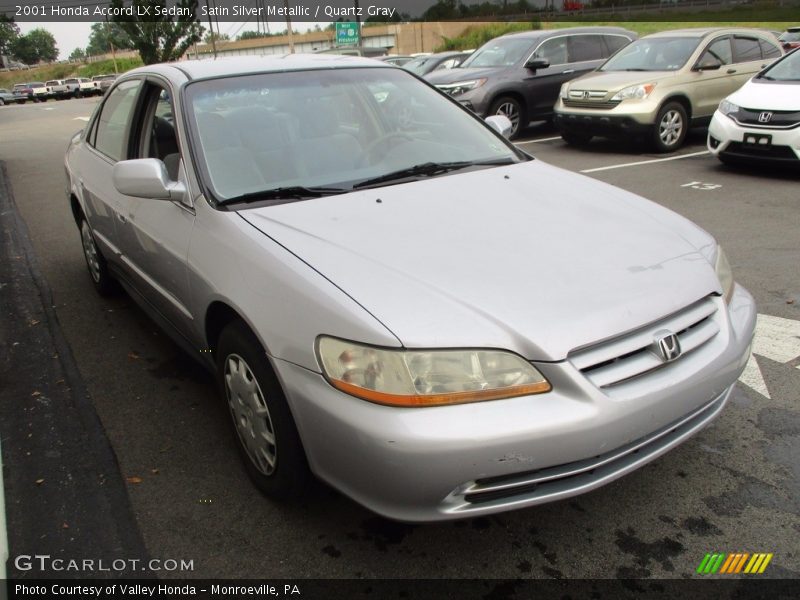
column 662, row 84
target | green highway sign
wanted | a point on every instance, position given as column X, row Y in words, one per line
column 346, row 33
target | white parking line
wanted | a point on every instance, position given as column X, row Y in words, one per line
column 644, row 162
column 558, row 137
column 81, row 119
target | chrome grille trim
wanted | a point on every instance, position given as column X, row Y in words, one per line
column 551, row 483
column 632, row 355
column 603, row 104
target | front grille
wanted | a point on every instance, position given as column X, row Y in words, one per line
column 552, row 483
column 779, row 119
column 601, row 104
column 761, row 151
column 636, row 354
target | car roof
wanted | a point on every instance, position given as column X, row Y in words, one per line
column 699, row 32
column 545, row 33
column 210, row 68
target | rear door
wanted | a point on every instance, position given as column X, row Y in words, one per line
column 748, row 58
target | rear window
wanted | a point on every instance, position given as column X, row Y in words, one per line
column 52, row 82
column 746, row 49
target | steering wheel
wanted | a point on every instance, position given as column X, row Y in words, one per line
column 368, row 159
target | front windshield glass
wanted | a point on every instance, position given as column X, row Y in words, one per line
column 333, row 128
column 790, row 36
column 787, row 69
column 500, row 52
column 653, row 54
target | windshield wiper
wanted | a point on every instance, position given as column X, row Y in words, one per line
column 429, row 169
column 296, row 192
column 767, row 77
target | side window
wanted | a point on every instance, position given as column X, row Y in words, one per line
column 158, row 138
column 553, row 50
column 746, row 49
column 615, row 42
column 769, row 50
column 585, row 47
column 719, row 50
column 109, row 132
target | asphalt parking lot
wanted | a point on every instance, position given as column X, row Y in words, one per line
column 733, row 487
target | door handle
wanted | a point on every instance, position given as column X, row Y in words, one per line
column 568, row 71
column 731, row 71
column 122, row 218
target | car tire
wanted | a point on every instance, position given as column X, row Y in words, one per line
column 514, row 110
column 576, row 138
column 102, row 279
column 264, row 428
column 672, row 125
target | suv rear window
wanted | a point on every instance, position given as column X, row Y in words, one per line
column 746, row 49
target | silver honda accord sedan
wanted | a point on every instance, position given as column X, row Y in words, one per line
column 391, row 295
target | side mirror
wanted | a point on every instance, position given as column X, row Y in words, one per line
column 146, row 178
column 501, row 124
column 537, row 63
column 707, row 64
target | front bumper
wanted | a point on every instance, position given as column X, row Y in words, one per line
column 727, row 138
column 627, row 117
column 450, row 462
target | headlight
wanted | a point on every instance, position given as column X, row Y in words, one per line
column 724, row 273
column 454, row 89
column 564, row 93
column 635, row 92
column 728, row 108
column 426, row 377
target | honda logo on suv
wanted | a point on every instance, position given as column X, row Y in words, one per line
column 765, row 117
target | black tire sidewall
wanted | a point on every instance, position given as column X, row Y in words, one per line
column 291, row 474
column 657, row 143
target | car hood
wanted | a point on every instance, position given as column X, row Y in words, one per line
column 767, row 95
column 614, row 81
column 527, row 257
column 461, row 74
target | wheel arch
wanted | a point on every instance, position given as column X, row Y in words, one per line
column 681, row 99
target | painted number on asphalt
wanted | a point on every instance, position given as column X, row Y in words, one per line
column 700, row 185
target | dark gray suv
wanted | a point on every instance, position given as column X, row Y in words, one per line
column 519, row 75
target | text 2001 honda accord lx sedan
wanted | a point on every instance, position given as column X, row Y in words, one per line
column 394, row 297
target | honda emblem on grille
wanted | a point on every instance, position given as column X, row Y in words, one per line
column 765, row 117
column 586, row 95
column 669, row 347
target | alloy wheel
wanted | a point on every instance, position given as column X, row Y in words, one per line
column 670, row 128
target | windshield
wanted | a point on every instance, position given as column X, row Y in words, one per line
column 500, row 52
column 790, row 36
column 653, row 54
column 786, row 69
column 334, row 129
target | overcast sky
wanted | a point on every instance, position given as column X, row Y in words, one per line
column 73, row 35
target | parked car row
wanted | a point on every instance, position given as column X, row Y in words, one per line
column 60, row 89
column 603, row 81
